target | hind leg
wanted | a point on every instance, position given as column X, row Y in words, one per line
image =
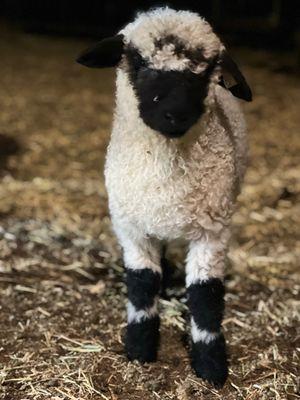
column 168, row 270
column 205, row 292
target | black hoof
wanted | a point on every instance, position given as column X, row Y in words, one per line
column 210, row 361
column 142, row 340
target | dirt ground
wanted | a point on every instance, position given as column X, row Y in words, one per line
column 62, row 313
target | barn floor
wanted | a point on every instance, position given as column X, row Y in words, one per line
column 62, row 295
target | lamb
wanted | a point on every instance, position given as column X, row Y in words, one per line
column 174, row 166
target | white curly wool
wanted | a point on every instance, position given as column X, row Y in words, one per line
column 173, row 188
column 194, row 32
column 140, row 253
column 205, row 258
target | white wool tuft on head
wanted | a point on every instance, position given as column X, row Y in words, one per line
column 188, row 28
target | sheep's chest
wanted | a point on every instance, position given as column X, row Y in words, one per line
column 170, row 194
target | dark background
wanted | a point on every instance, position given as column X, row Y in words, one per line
column 267, row 23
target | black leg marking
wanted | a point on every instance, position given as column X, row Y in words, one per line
column 142, row 336
column 142, row 340
column 208, row 353
column 206, row 303
column 142, row 285
column 210, row 361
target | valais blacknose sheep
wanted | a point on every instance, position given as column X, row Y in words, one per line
column 174, row 165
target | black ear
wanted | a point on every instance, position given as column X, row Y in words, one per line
column 106, row 53
column 241, row 88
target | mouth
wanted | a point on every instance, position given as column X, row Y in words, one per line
column 173, row 135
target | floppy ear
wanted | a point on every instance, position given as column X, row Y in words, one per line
column 106, row 53
column 241, row 88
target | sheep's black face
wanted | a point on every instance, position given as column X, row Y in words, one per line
column 170, row 102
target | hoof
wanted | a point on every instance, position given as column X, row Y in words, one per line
column 142, row 340
column 210, row 361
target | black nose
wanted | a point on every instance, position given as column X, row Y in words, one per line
column 170, row 117
column 175, row 118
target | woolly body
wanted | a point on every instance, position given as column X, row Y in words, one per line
column 179, row 188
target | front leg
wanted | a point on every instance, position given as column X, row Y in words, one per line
column 205, row 293
column 143, row 277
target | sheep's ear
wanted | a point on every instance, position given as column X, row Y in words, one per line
column 106, row 53
column 240, row 88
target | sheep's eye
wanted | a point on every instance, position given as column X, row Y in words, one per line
column 156, row 99
column 143, row 62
